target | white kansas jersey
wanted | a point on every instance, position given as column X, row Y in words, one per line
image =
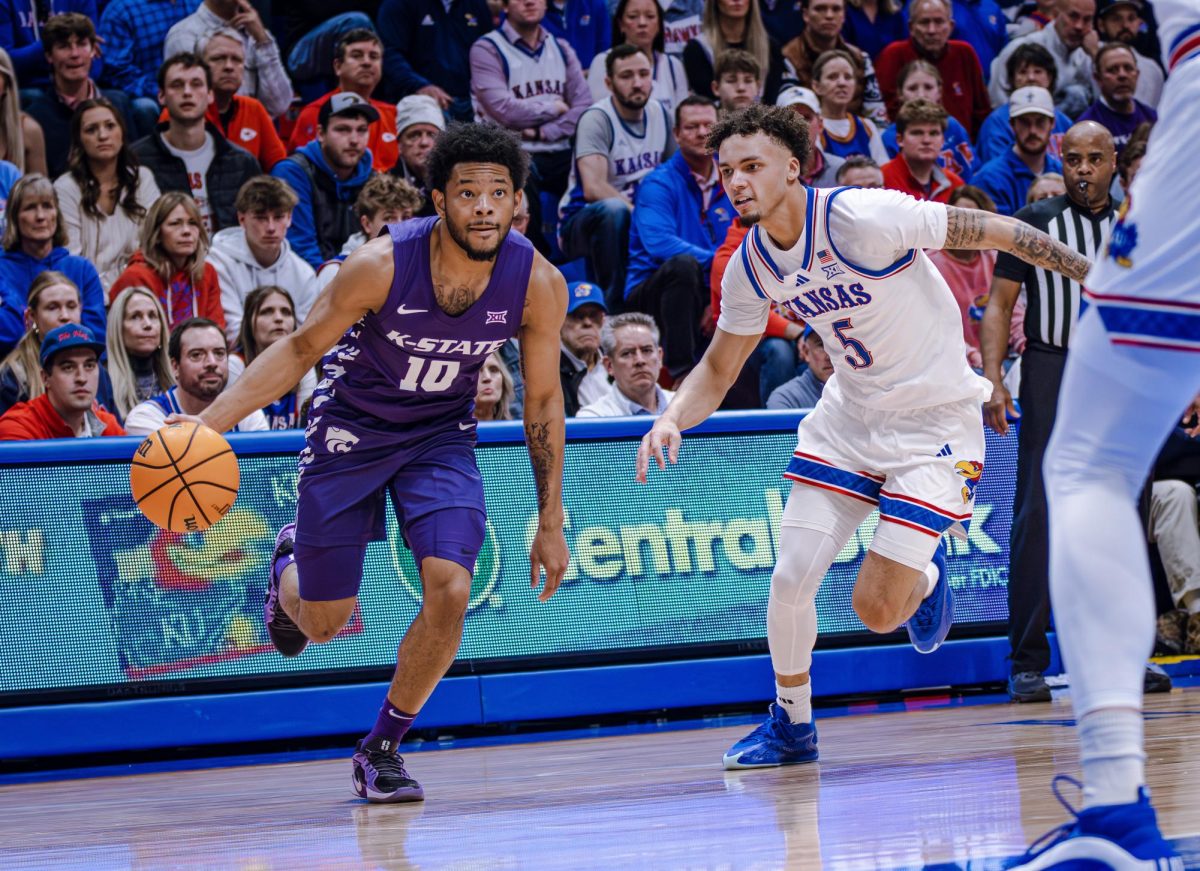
column 858, row 276
column 1146, row 283
column 539, row 75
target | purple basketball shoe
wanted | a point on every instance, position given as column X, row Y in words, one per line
column 284, row 634
column 379, row 773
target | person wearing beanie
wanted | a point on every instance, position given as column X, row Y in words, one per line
column 419, row 120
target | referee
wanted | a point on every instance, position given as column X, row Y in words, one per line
column 1080, row 219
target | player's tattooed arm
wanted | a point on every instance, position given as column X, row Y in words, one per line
column 545, row 429
column 972, row 229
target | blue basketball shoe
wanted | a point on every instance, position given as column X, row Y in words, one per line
column 928, row 628
column 776, row 742
column 284, row 634
column 1120, row 836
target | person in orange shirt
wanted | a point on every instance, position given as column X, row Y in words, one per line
column 920, row 134
column 70, row 357
column 358, row 65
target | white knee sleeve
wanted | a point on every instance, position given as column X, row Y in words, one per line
column 816, row 526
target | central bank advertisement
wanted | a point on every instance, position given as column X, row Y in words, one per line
column 92, row 596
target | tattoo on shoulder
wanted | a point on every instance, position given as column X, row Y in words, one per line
column 964, row 227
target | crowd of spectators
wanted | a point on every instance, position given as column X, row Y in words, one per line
column 170, row 171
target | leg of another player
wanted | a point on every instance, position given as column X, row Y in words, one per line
column 1100, row 583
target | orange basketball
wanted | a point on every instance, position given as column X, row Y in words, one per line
column 184, row 477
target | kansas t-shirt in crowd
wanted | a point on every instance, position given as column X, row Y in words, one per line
column 197, row 163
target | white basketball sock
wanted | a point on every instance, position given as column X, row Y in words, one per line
column 931, row 575
column 1110, row 750
column 797, row 701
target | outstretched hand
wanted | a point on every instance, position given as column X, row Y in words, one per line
column 548, row 552
column 663, row 436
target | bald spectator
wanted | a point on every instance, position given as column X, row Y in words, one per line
column 1029, row 65
column 1006, row 178
column 1065, row 40
column 1121, row 21
column 963, row 91
column 525, row 79
column 1116, row 109
column 860, row 171
column 823, row 22
column 418, row 123
column 920, row 135
column 264, row 78
column 1080, row 219
column 1045, row 186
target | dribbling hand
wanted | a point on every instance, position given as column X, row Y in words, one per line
column 663, row 436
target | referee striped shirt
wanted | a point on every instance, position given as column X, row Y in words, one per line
column 1053, row 299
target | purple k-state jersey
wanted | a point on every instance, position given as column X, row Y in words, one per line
column 410, row 364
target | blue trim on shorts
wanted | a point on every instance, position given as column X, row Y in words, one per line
column 812, row 471
column 916, row 515
column 1149, row 322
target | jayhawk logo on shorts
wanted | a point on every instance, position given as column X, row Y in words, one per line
column 971, row 472
column 1123, row 239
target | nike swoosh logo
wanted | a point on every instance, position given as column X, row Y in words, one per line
column 465, row 426
column 410, row 311
column 397, row 716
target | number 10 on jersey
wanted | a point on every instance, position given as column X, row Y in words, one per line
column 431, row 376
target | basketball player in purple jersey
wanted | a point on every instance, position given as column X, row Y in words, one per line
column 404, row 330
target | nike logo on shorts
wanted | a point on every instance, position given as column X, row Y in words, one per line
column 402, row 310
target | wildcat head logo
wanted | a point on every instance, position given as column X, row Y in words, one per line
column 339, row 441
column 971, row 472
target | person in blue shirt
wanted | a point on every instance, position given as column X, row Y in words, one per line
column 874, row 28
column 680, row 217
column 9, row 173
column 584, row 24
column 1006, row 178
column 426, row 44
column 21, row 22
column 920, row 80
column 982, row 24
column 1029, row 64
column 35, row 241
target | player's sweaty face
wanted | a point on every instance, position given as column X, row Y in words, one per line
column 479, row 205
column 754, row 172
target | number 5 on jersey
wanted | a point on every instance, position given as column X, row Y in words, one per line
column 439, row 375
column 859, row 357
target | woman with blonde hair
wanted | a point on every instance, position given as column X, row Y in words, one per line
column 137, row 349
column 732, row 24
column 495, row 393
column 53, row 301
column 171, row 262
column 104, row 195
column 35, row 242
column 21, row 139
column 270, row 315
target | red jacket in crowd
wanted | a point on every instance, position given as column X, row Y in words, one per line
column 385, row 149
column 898, row 177
column 964, row 94
column 180, row 299
column 250, row 128
column 776, row 323
column 37, row 419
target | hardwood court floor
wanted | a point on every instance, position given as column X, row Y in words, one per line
column 965, row 784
